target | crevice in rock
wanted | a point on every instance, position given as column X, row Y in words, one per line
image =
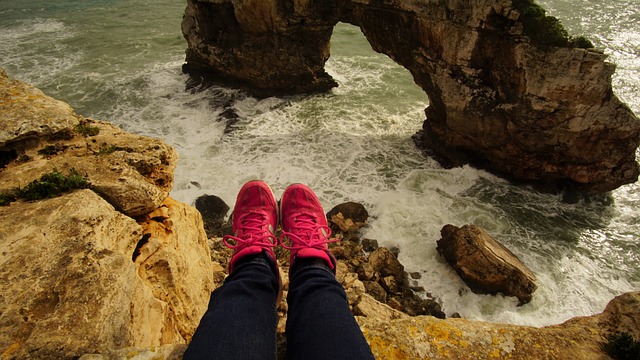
column 139, row 245
column 7, row 156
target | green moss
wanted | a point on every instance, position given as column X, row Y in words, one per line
column 622, row 346
column 546, row 30
column 53, row 184
column 84, row 129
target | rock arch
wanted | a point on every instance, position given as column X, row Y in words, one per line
column 498, row 98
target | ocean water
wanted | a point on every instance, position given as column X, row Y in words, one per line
column 119, row 60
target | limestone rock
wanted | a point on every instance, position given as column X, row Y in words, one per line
column 78, row 274
column 67, row 278
column 348, row 217
column 70, row 286
column 134, row 173
column 229, row 41
column 26, row 113
column 174, row 261
column 425, row 337
column 164, row 352
column 498, row 98
column 484, row 264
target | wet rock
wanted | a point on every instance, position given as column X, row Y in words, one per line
column 484, row 264
column 376, row 290
column 366, row 272
column 369, row 245
column 348, row 217
column 390, row 284
column 214, row 212
column 384, row 262
column 347, row 250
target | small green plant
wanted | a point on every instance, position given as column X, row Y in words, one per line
column 53, row 184
column 48, row 186
column 581, row 42
column 622, row 346
column 51, row 150
column 546, row 30
column 84, row 129
column 7, row 198
column 542, row 29
column 64, row 134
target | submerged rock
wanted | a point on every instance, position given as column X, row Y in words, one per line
column 484, row 264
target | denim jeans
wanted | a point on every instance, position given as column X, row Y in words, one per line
column 241, row 320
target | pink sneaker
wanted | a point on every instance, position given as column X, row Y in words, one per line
column 255, row 217
column 304, row 224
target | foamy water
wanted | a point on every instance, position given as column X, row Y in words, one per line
column 353, row 144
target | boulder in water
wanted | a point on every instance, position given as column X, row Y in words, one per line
column 484, row 264
column 348, row 217
column 214, row 211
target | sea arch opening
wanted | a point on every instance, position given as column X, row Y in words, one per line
column 373, row 81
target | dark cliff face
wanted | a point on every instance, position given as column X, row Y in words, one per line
column 498, row 98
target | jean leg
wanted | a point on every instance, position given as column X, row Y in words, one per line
column 241, row 320
column 319, row 323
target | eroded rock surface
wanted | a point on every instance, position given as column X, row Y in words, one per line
column 497, row 99
column 132, row 172
column 430, row 338
column 484, row 264
column 79, row 274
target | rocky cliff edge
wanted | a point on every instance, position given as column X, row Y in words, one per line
column 119, row 270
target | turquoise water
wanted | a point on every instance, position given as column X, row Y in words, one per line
column 120, row 61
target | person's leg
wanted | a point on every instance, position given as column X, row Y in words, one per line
column 241, row 320
column 319, row 323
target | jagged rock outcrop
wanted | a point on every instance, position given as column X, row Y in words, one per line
column 79, row 274
column 497, row 99
column 484, row 264
column 133, row 173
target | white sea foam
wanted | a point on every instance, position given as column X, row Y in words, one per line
column 31, row 49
